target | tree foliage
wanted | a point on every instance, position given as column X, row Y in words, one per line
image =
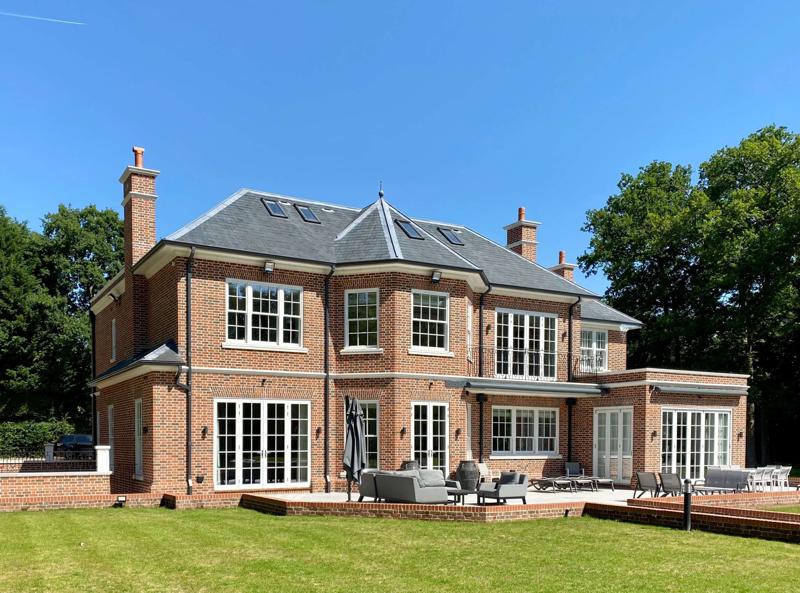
column 711, row 267
column 46, row 283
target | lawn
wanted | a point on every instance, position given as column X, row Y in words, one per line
column 239, row 550
column 784, row 508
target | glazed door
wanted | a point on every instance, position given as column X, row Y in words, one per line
column 429, row 435
column 613, row 433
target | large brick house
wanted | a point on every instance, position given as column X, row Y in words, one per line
column 223, row 353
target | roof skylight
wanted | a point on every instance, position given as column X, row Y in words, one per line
column 307, row 213
column 409, row 229
column 274, row 208
column 451, row 236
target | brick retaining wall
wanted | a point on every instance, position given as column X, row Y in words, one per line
column 53, row 484
column 97, row 501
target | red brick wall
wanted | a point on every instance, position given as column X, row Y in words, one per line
column 53, row 484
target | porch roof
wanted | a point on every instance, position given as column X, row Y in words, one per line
column 527, row 388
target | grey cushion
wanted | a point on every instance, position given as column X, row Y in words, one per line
column 430, row 477
column 508, row 478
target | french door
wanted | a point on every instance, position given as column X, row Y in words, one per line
column 613, row 438
column 261, row 443
column 429, row 435
column 693, row 440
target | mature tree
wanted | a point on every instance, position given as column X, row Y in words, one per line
column 80, row 250
column 712, row 269
column 46, row 283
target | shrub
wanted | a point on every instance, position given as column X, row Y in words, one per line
column 27, row 438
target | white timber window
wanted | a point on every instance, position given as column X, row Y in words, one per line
column 524, row 431
column 526, row 345
column 430, row 325
column 469, row 330
column 694, row 439
column 594, row 350
column 264, row 314
column 361, row 310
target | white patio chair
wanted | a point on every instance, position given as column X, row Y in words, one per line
column 485, row 474
column 781, row 477
column 761, row 478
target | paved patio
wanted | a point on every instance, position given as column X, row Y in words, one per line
column 604, row 495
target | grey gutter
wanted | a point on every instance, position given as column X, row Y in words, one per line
column 189, row 270
column 506, row 386
column 736, row 390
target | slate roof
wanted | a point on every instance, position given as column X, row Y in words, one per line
column 595, row 310
column 350, row 236
column 166, row 354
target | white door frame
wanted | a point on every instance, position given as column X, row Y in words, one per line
column 620, row 455
column 430, row 405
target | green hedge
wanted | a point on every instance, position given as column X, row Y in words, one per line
column 18, row 439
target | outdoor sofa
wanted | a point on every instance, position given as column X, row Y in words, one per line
column 720, row 481
column 415, row 486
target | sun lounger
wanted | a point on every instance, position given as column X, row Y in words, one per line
column 646, row 482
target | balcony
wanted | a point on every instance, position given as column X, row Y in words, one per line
column 521, row 364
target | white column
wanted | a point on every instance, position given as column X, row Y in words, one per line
column 49, row 449
column 103, row 458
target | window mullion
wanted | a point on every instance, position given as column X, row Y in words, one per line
column 248, row 312
column 279, row 334
column 238, row 456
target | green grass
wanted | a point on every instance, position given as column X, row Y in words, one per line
column 784, row 508
column 236, row 550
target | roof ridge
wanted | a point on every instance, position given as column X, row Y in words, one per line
column 207, row 215
column 458, row 255
column 537, row 264
column 388, row 228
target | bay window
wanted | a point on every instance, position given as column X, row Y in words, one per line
column 525, row 345
column 429, row 320
column 361, row 319
column 264, row 314
column 524, row 431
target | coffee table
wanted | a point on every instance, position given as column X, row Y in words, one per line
column 459, row 494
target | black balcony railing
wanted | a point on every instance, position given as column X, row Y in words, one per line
column 524, row 364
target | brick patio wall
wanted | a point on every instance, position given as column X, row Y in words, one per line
column 49, row 484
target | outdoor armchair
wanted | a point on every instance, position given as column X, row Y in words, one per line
column 510, row 485
column 646, row 482
column 670, row 484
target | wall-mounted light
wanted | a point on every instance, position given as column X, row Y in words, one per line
column 403, row 431
column 204, row 432
column 436, row 276
column 740, row 436
column 653, row 434
column 319, row 431
column 121, row 500
column 458, row 432
column 269, row 267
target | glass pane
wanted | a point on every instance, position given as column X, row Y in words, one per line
column 226, row 443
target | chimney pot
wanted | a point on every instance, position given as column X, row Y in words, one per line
column 562, row 257
column 138, row 158
column 521, row 213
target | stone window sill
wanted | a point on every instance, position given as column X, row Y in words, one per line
column 264, row 347
column 425, row 352
column 356, row 350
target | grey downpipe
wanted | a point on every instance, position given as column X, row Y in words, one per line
column 189, row 271
column 481, row 397
column 326, row 368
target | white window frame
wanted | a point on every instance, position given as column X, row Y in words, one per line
column 540, row 343
column 347, row 346
column 138, row 434
column 113, row 339
column 593, row 350
column 377, row 405
column 427, row 349
column 239, row 444
column 673, row 468
column 514, row 454
column 110, row 421
column 248, row 342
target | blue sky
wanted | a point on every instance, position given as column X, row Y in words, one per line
column 464, row 110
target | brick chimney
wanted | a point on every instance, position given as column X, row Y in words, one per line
column 521, row 236
column 139, row 202
column 564, row 269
